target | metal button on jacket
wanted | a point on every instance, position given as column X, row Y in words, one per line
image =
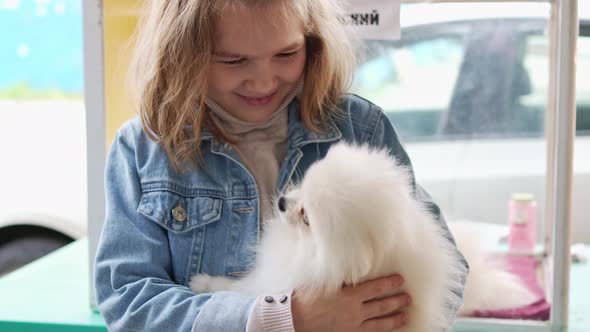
column 269, row 299
column 179, row 213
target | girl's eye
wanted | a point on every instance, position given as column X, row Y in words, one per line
column 287, row 55
column 232, row 62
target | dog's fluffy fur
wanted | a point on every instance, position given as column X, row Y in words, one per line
column 354, row 218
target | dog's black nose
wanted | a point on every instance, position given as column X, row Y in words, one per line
column 282, row 204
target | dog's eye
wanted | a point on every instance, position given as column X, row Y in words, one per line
column 304, row 216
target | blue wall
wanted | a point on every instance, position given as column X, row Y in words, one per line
column 41, row 45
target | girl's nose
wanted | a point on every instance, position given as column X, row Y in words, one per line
column 263, row 81
column 262, row 87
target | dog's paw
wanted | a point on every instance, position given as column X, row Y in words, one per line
column 204, row 283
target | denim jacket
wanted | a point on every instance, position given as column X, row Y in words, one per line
column 164, row 226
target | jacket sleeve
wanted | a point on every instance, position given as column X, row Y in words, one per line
column 384, row 136
column 133, row 282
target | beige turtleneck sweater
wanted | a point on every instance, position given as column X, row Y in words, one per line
column 261, row 146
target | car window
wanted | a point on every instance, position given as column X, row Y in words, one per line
column 412, row 80
column 537, row 64
column 473, row 79
column 492, row 83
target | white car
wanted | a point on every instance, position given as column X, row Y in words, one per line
column 466, row 89
column 42, row 178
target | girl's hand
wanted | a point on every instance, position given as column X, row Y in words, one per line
column 354, row 308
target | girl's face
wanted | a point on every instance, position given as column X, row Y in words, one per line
column 258, row 60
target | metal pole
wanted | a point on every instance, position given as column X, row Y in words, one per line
column 565, row 130
column 550, row 132
column 95, row 127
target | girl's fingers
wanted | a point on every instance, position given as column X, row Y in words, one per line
column 379, row 287
column 387, row 323
column 384, row 306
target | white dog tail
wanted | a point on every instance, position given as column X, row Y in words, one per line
column 489, row 286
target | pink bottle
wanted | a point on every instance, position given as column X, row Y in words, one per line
column 522, row 220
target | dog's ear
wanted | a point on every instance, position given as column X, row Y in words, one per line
column 344, row 246
column 360, row 265
column 359, row 253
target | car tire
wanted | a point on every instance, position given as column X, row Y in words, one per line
column 21, row 251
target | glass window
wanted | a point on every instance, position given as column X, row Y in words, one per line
column 466, row 87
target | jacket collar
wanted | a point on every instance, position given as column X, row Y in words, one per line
column 299, row 134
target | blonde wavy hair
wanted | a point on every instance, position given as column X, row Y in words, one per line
column 173, row 50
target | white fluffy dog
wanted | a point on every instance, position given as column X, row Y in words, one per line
column 354, row 218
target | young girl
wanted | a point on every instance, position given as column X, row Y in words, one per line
column 236, row 99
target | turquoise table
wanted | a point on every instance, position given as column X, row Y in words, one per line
column 51, row 295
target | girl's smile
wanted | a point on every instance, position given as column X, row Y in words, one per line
column 258, row 101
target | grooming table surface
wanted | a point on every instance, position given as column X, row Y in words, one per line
column 51, row 295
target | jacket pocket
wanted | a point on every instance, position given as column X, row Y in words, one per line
column 179, row 213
